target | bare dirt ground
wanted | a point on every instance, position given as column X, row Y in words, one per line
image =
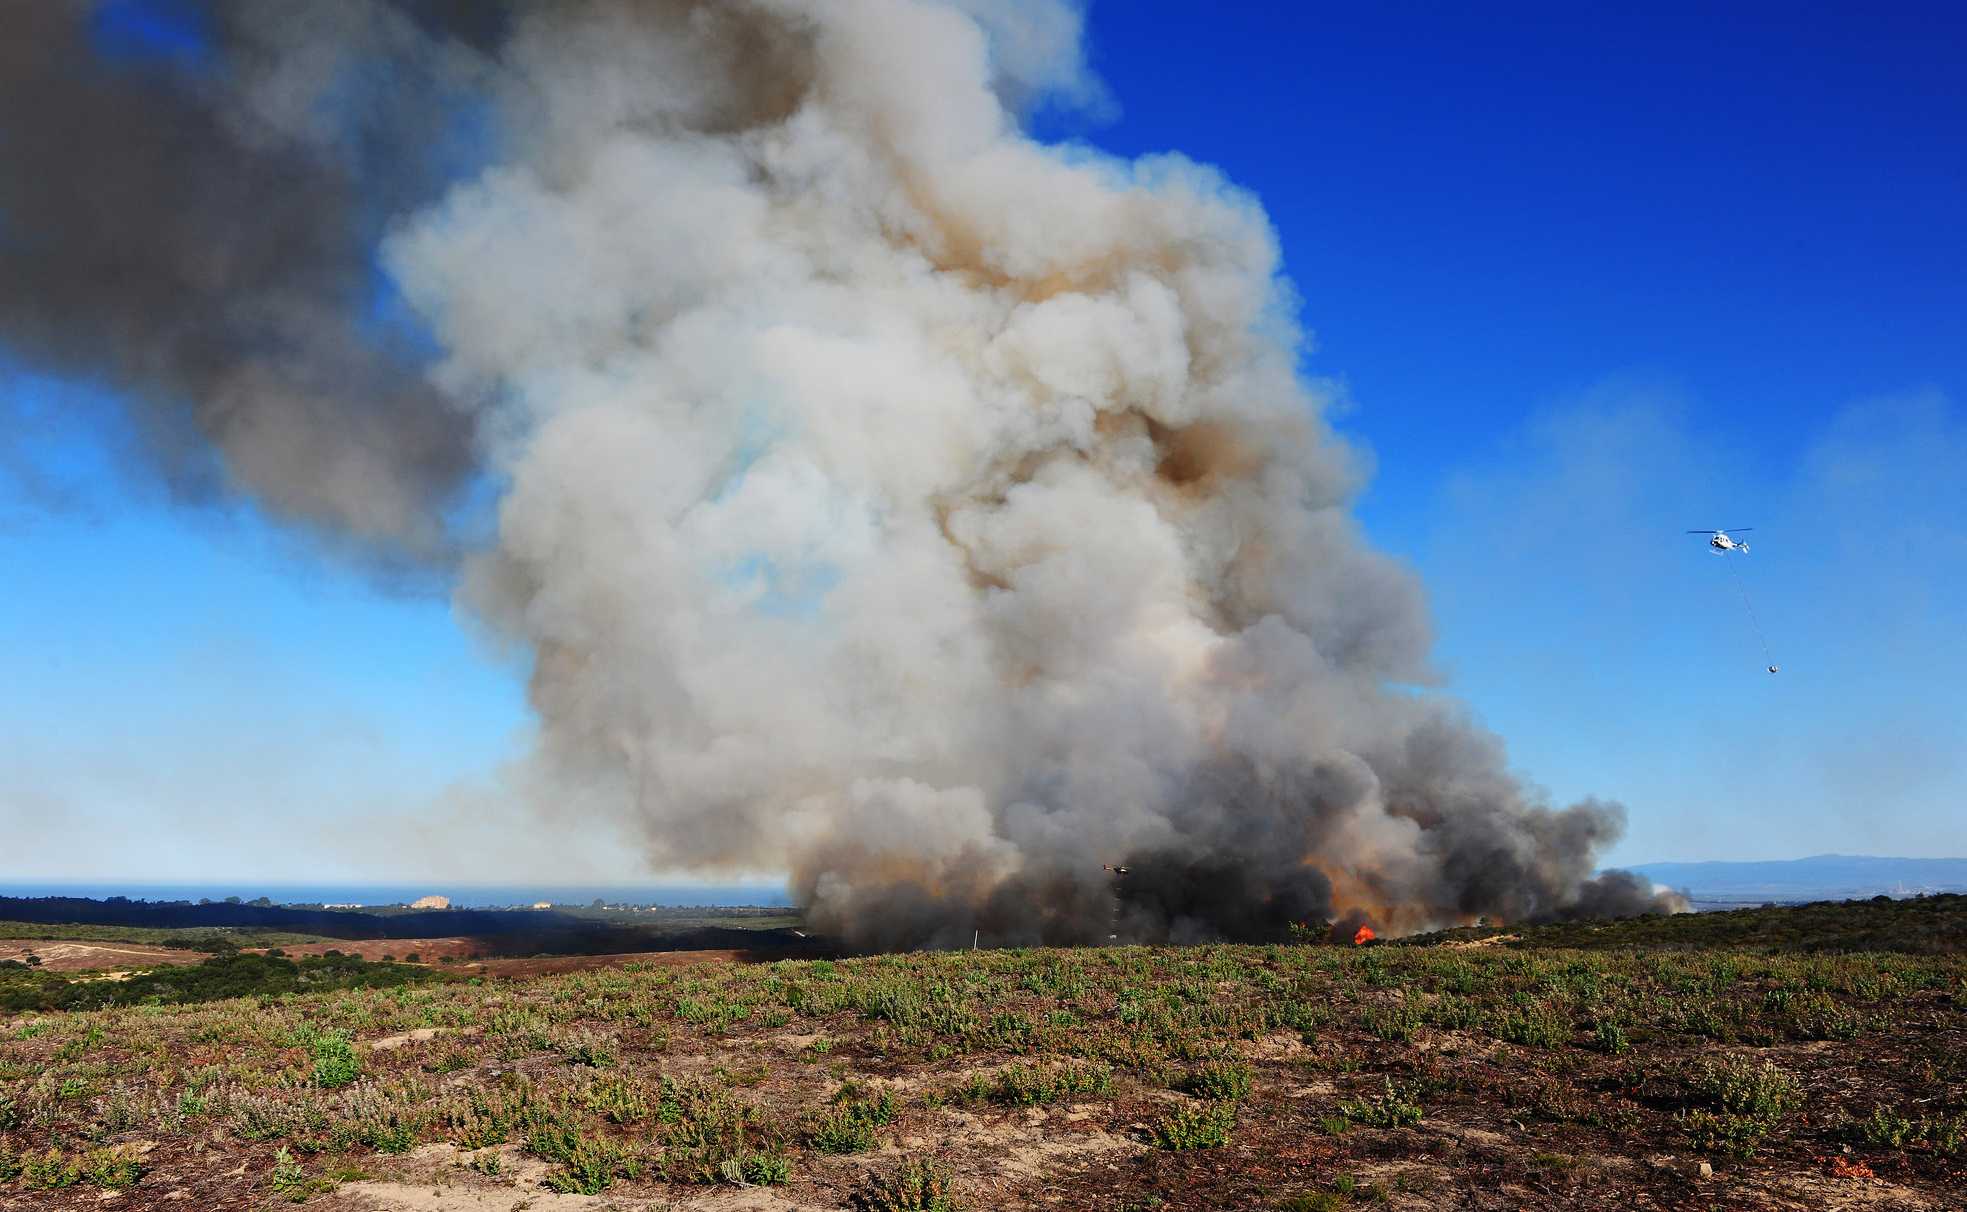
column 75, row 955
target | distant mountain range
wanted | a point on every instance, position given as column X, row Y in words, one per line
column 1818, row 878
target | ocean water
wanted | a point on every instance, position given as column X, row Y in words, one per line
column 462, row 896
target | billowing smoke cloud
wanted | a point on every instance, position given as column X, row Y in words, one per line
column 201, row 237
column 888, row 498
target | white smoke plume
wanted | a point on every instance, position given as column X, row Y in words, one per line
column 895, row 500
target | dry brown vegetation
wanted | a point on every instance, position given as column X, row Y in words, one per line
column 1112, row 1079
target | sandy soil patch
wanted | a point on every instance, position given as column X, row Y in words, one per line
column 76, row 955
column 446, row 1186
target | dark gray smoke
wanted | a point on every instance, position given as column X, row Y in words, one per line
column 202, row 240
column 889, row 498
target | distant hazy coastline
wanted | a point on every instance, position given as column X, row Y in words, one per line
column 1817, row 878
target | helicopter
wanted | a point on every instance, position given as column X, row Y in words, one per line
column 1724, row 543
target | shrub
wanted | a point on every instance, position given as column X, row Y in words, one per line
column 111, row 1169
column 918, row 1186
column 849, row 1128
column 288, row 1180
column 1738, row 1086
column 1204, row 1127
column 1395, row 1024
column 756, row 1169
column 589, row 1165
column 335, row 1062
column 1218, row 1081
column 1534, row 1025
column 49, row 1171
column 1390, row 1110
column 618, row 1100
column 705, row 1127
column 1726, row 1132
column 387, row 1119
column 1888, row 1128
column 1609, row 1037
column 1022, row 1085
column 589, row 1048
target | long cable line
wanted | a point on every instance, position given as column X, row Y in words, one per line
column 1750, row 607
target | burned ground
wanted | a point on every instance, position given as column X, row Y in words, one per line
column 1125, row 1078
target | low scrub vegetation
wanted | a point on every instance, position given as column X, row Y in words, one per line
column 225, row 976
column 1108, row 1078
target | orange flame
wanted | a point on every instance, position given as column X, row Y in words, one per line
column 1363, row 935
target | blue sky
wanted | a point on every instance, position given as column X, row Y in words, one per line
column 1587, row 276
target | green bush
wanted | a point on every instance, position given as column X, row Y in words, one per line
column 588, row 1165
column 1395, row 1023
column 1534, row 1025
column 1726, row 1132
column 1022, row 1085
column 1889, row 1128
column 49, row 1171
column 849, row 1127
column 1390, row 1110
column 288, row 1180
column 1202, row 1127
column 111, row 1169
column 1610, row 1038
column 1761, row 1091
column 335, row 1062
column 918, row 1186
column 757, row 1169
column 1218, row 1081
